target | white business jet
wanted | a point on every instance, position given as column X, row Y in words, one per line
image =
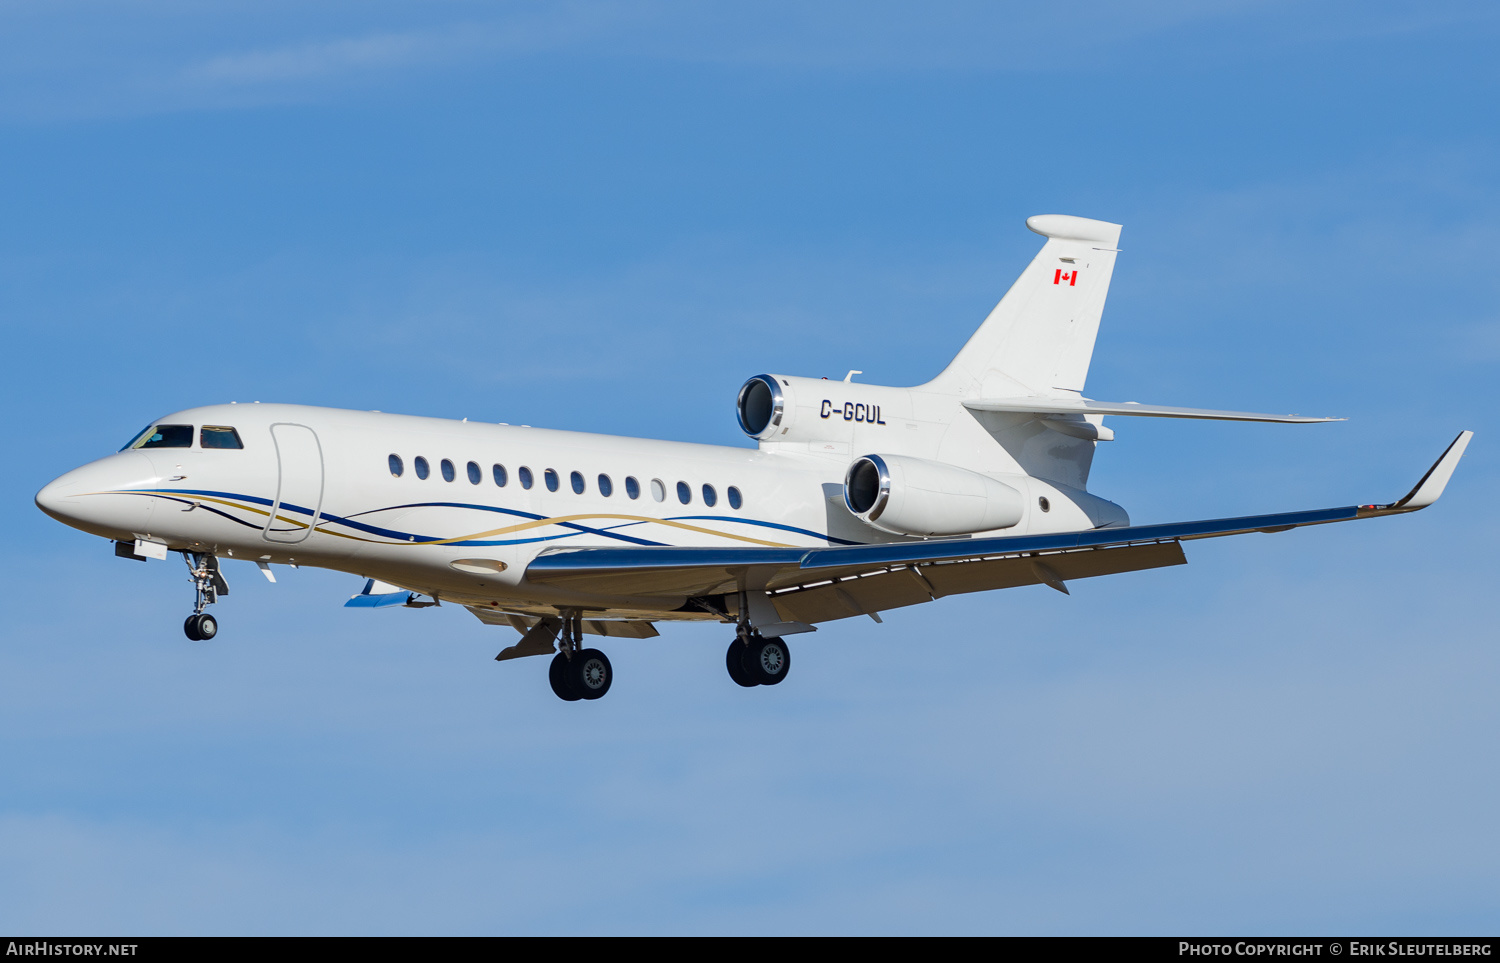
column 859, row 499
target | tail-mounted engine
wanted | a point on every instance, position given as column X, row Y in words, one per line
column 782, row 409
column 914, row 496
column 762, row 407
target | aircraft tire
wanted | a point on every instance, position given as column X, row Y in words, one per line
column 190, row 628
column 207, row 627
column 558, row 675
column 734, row 661
column 591, row 674
column 767, row 661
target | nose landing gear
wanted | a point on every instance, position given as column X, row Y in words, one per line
column 209, row 584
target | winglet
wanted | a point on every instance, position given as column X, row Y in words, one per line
column 1432, row 484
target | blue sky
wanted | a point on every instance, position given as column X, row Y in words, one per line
column 604, row 217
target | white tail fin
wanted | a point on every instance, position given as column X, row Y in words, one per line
column 1040, row 337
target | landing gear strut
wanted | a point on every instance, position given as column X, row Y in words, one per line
column 578, row 673
column 752, row 659
column 209, row 584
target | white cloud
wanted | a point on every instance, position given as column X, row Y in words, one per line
column 319, row 59
column 89, row 58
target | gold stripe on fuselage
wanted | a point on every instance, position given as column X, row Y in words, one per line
column 508, row 530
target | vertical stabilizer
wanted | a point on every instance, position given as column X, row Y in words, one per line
column 1040, row 337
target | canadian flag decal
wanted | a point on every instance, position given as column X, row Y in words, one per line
column 1071, row 278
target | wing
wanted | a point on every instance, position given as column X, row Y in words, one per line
column 812, row 585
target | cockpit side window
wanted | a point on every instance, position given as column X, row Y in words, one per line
column 219, row 436
column 166, row 436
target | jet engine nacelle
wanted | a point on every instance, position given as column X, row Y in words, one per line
column 782, row 409
column 914, row 496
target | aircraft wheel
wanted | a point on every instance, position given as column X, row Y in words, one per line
column 766, row 661
column 557, row 674
column 200, row 628
column 734, row 660
column 591, row 674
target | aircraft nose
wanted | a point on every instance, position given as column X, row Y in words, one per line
column 62, row 497
column 97, row 497
column 53, row 498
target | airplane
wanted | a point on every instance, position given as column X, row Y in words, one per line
column 858, row 498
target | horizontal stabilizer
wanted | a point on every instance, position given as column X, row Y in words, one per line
column 1083, row 406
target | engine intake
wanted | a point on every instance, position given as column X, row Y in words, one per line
column 904, row 495
column 761, row 407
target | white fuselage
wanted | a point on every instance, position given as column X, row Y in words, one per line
column 315, row 486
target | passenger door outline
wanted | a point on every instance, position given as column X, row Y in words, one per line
column 299, row 473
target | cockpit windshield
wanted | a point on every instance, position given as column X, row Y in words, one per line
column 164, row 436
column 138, row 436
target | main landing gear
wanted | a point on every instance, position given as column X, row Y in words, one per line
column 209, row 584
column 752, row 659
column 578, row 673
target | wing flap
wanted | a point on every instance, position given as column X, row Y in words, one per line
column 538, row 636
column 856, row 595
column 620, row 629
column 910, row 585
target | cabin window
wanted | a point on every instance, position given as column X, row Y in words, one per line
column 448, row 473
column 524, row 474
column 684, row 493
column 165, row 436
column 735, row 501
column 475, row 475
column 396, row 467
column 606, row 487
column 552, row 480
column 632, row 487
column 710, row 497
column 658, row 490
column 500, row 476
column 218, row 436
column 420, row 464
column 576, row 480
